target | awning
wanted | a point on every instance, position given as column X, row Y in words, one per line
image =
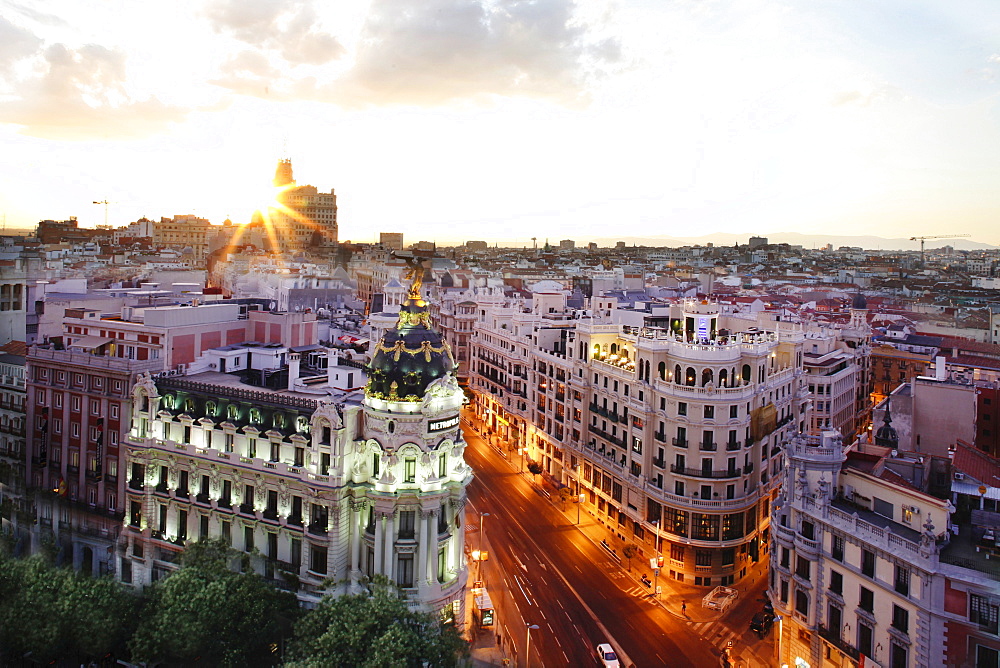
column 972, row 489
column 90, row 342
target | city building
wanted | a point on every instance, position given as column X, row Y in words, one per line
column 302, row 216
column 391, row 240
column 184, row 233
column 869, row 568
column 670, row 419
column 322, row 488
column 13, row 500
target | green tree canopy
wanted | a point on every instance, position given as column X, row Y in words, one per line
column 373, row 629
column 50, row 613
column 209, row 613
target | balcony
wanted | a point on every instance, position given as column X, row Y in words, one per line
column 705, row 473
column 135, row 484
column 748, row 468
column 660, row 436
column 246, row 508
column 733, row 445
column 833, row 637
column 659, row 463
column 680, row 442
column 708, row 447
column 319, row 529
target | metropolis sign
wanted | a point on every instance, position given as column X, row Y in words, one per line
column 441, row 425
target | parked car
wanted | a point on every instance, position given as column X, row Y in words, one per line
column 607, row 656
column 762, row 622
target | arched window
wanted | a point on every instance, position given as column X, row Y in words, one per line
column 662, row 370
column 690, row 376
column 706, row 377
column 614, row 348
column 678, row 376
column 723, row 377
column 746, row 373
column 233, row 412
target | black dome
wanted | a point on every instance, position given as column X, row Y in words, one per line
column 859, row 302
column 409, row 357
column 886, row 435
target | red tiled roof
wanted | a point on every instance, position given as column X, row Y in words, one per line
column 976, row 464
column 15, row 348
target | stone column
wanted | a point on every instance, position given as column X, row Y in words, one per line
column 380, row 519
column 355, row 531
column 389, row 565
column 431, row 551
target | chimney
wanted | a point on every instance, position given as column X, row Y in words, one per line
column 293, row 370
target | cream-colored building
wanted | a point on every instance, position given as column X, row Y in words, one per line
column 868, row 570
column 673, row 425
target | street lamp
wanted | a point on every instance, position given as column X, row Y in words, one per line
column 482, row 540
column 579, row 502
column 527, row 646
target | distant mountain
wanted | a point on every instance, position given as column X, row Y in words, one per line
column 795, row 239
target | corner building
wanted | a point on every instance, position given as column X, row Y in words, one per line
column 320, row 488
column 670, row 419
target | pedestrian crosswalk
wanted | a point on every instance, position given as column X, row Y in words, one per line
column 642, row 593
column 716, row 633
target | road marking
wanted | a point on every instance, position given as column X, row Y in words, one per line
column 566, row 657
column 541, row 613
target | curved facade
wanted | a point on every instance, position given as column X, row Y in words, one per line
column 673, row 429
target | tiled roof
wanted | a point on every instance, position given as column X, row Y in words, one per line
column 976, row 464
column 15, row 348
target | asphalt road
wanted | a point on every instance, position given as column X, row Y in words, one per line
column 542, row 571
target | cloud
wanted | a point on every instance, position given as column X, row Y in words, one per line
column 82, row 94
column 15, row 44
column 286, row 28
column 425, row 52
column 433, row 51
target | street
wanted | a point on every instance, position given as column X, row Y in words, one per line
column 543, row 571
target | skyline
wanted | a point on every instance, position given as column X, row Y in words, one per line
column 550, row 119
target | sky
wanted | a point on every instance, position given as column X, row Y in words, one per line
column 451, row 120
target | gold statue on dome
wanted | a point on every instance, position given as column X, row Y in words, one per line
column 416, row 277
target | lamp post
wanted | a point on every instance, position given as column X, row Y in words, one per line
column 659, row 560
column 527, row 646
column 523, row 450
column 579, row 502
column 482, row 541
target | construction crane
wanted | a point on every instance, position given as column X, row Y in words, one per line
column 105, row 203
column 939, row 236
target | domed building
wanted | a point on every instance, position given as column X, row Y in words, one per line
column 319, row 483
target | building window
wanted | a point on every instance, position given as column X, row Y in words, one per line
column 837, row 547
column 902, row 581
column 405, row 571
column 317, row 559
column 802, row 602
column 866, row 634
column 808, row 530
column 709, row 411
column 836, row 582
column 868, row 563
column 982, row 613
column 866, row 600
column 410, row 470
column 900, row 619
column 703, row 558
column 682, row 408
column 677, row 553
column 407, row 523
column 247, row 539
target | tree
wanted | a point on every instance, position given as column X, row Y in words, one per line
column 207, row 612
column 373, row 629
column 55, row 613
column 630, row 551
column 534, row 468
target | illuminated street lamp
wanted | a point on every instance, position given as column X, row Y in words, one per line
column 482, row 555
column 527, row 646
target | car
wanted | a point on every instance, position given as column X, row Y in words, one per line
column 607, row 656
column 762, row 622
